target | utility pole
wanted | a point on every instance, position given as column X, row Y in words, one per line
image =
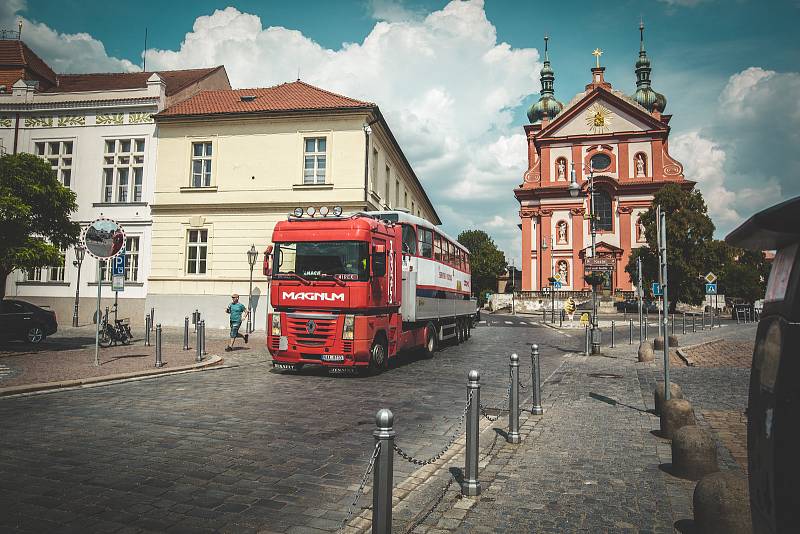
column 662, row 258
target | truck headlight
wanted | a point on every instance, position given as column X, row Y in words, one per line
column 276, row 324
column 349, row 326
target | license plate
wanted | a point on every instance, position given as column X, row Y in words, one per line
column 342, row 370
column 287, row 366
column 332, row 357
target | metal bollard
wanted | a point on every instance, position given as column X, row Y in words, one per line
column 186, row 333
column 684, row 323
column 159, row 363
column 659, row 323
column 471, row 486
column 199, row 344
column 536, row 381
column 703, row 320
column 586, row 340
column 195, row 319
column 513, row 402
column 630, row 333
column 612, row 334
column 561, row 319
column 382, row 473
column 146, row 330
column 711, row 325
column 153, row 315
column 694, row 322
column 203, row 335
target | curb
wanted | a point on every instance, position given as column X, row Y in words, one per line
column 50, row 386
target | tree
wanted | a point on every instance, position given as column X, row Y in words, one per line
column 744, row 275
column 487, row 262
column 691, row 251
column 34, row 215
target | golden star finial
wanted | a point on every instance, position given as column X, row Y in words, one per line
column 597, row 53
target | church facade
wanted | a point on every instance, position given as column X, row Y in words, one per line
column 617, row 142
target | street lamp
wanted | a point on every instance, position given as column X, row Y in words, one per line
column 252, row 256
column 574, row 191
column 80, row 252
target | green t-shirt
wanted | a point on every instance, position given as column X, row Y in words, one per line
column 236, row 311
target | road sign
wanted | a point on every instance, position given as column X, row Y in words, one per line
column 711, row 278
column 556, row 285
column 711, row 289
column 117, row 282
column 558, row 277
column 657, row 289
column 599, row 262
column 118, row 263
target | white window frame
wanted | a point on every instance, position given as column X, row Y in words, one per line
column 318, row 173
column 46, row 274
column 120, row 163
column 197, row 245
column 64, row 161
column 205, row 159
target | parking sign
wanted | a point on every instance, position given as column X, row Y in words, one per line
column 118, row 263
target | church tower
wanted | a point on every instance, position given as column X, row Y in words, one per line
column 603, row 137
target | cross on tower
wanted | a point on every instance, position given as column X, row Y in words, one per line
column 597, row 53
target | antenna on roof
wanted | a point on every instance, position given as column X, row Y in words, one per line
column 144, row 52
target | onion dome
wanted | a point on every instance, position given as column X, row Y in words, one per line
column 547, row 107
column 645, row 96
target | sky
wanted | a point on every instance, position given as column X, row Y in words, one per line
column 454, row 79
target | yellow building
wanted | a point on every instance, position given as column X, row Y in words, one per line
column 232, row 163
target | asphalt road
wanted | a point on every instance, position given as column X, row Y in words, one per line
column 243, row 448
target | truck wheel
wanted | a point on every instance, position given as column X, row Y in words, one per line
column 378, row 357
column 462, row 336
column 430, row 341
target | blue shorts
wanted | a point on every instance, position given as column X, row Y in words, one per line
column 235, row 329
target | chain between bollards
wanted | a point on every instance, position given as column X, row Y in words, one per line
column 513, row 402
column 536, row 409
column 383, row 473
column 147, row 330
column 186, row 333
column 470, row 485
column 159, row 362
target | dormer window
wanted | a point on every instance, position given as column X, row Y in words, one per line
column 247, row 98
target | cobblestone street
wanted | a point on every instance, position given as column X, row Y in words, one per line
column 240, row 448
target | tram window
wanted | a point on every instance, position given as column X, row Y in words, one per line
column 448, row 249
column 409, row 240
column 437, row 247
column 425, row 243
column 461, row 259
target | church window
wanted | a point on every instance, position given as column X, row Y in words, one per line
column 601, row 161
column 602, row 211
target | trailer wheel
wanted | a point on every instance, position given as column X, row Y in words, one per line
column 430, row 341
column 378, row 357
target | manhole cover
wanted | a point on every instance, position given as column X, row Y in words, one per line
column 605, row 375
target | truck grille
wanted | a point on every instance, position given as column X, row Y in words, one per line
column 311, row 332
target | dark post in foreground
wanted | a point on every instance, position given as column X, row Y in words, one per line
column 536, row 381
column 470, row 486
column 382, row 474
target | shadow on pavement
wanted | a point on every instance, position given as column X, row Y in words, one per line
column 613, row 402
column 49, row 344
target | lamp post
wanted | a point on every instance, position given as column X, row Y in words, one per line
column 252, row 256
column 80, row 252
column 574, row 191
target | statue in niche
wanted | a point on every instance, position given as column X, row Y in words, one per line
column 639, row 165
column 562, row 170
column 562, row 233
column 562, row 270
column 640, row 230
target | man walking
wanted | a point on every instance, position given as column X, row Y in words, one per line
column 238, row 312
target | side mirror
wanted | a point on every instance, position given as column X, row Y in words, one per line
column 267, row 267
column 379, row 260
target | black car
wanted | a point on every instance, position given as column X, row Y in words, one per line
column 25, row 321
column 632, row 306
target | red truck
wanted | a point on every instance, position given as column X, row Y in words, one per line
column 350, row 292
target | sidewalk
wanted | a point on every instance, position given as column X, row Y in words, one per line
column 593, row 462
column 67, row 358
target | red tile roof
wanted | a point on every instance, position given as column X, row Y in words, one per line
column 293, row 96
column 175, row 80
column 15, row 54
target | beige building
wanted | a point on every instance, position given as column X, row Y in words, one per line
column 232, row 163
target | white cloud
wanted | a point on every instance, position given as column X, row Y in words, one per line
column 740, row 86
column 392, row 11
column 64, row 52
column 446, row 85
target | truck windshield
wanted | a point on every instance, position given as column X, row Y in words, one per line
column 345, row 260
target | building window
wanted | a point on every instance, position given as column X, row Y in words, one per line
column 387, row 186
column 602, row 211
column 123, row 170
column 197, row 252
column 131, row 262
column 405, row 199
column 315, row 160
column 374, row 174
column 59, row 155
column 397, row 193
column 54, row 273
column 412, row 207
column 201, row 164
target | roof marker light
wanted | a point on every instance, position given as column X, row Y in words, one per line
column 337, row 210
column 324, row 211
column 298, row 212
column 311, row 211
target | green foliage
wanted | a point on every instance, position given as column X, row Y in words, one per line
column 487, row 262
column 34, row 215
column 743, row 274
column 689, row 241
